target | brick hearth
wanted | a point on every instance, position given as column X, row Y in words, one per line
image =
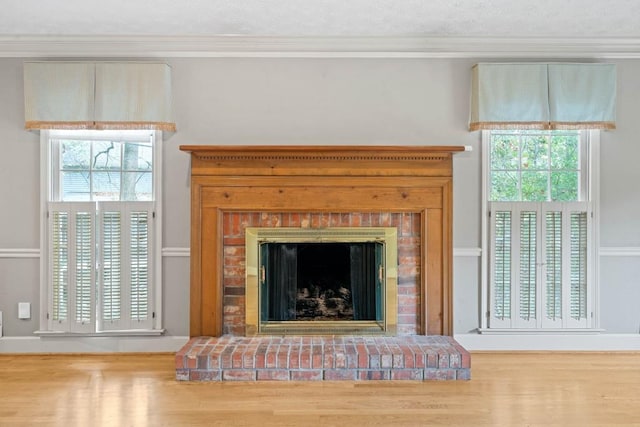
column 230, row 358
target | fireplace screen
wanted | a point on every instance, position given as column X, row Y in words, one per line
column 336, row 281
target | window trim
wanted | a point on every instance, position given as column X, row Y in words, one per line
column 592, row 180
column 47, row 186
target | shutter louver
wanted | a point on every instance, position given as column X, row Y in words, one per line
column 553, row 261
column 139, row 255
column 60, row 265
column 528, row 264
column 84, row 268
column 578, row 265
column 502, row 265
column 111, row 266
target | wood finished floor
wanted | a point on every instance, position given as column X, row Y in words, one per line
column 521, row 389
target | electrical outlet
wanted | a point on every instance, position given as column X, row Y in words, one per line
column 24, row 310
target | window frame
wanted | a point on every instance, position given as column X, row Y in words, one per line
column 49, row 184
column 590, row 183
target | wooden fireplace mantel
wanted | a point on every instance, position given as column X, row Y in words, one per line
column 345, row 179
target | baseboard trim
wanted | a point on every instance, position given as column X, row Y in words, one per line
column 92, row 344
column 472, row 342
column 549, row 342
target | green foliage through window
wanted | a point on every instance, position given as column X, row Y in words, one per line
column 535, row 166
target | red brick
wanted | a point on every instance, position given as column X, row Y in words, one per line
column 373, row 375
column 316, row 357
column 385, row 219
column 398, row 360
column 233, row 241
column 329, row 359
column 374, row 361
column 205, row 375
column 420, row 360
column 407, row 374
column 180, row 361
column 432, row 360
column 238, row 375
column 294, row 358
column 294, row 220
column 307, row 375
column 325, row 219
column 440, row 374
column 363, row 356
column 260, row 360
column 271, row 358
column 191, row 362
column 409, row 361
column 273, row 374
column 406, row 223
column 463, row 374
column 340, row 359
column 386, row 361
column 283, row 357
column 340, row 374
column 182, row 374
column 236, row 358
column 305, row 358
column 443, row 360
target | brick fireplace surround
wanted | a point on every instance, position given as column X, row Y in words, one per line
column 408, row 188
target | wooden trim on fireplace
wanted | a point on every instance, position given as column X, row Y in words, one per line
column 321, row 179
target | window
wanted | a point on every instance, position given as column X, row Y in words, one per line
column 540, row 231
column 102, row 235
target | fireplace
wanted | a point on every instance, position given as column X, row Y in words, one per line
column 315, row 187
column 325, row 281
column 300, row 254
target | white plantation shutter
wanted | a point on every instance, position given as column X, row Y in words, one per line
column 124, row 234
column 72, row 266
column 501, row 266
column 579, row 313
column 539, row 272
column 527, row 290
column 139, row 246
column 59, row 269
column 126, row 273
column 111, row 245
column 553, row 257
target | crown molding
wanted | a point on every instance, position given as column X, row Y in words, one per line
column 220, row 46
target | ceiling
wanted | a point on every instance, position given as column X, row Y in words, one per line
column 369, row 28
column 460, row 18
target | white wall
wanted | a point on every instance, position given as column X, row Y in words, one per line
column 320, row 101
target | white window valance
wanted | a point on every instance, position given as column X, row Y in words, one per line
column 98, row 95
column 543, row 96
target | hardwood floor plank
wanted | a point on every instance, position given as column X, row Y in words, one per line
column 510, row 389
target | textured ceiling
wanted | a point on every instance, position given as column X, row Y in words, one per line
column 455, row 18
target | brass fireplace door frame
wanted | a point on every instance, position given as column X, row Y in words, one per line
column 254, row 236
